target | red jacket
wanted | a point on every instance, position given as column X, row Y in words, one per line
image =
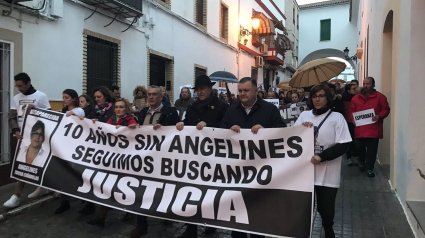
column 126, row 121
column 379, row 103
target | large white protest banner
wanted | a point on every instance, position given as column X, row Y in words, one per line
column 260, row 184
column 364, row 117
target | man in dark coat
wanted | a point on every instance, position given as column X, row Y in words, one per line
column 157, row 115
column 207, row 111
column 185, row 98
column 250, row 113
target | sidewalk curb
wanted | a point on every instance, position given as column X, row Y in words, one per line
column 26, row 207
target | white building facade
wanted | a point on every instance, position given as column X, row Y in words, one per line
column 88, row 43
column 327, row 29
column 292, row 12
column 391, row 50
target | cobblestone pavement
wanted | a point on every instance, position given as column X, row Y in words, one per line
column 366, row 207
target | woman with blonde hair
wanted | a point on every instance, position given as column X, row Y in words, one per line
column 165, row 98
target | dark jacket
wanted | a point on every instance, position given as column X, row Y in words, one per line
column 128, row 120
column 263, row 113
column 169, row 116
column 166, row 101
column 90, row 112
column 184, row 102
column 212, row 114
column 338, row 106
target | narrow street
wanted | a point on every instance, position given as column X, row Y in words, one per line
column 362, row 211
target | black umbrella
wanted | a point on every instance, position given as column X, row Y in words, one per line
column 223, row 76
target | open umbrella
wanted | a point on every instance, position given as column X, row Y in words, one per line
column 337, row 81
column 316, row 71
column 284, row 82
column 223, row 76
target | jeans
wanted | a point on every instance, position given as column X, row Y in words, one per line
column 352, row 150
column 325, row 197
column 367, row 149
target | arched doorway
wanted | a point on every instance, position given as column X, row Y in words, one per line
column 386, row 148
column 324, row 53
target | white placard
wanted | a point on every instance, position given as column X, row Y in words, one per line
column 273, row 101
column 364, row 117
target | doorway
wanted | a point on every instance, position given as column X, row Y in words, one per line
column 5, row 79
column 386, row 152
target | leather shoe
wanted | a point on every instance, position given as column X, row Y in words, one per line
column 65, row 206
column 370, row 173
column 97, row 222
column 88, row 209
column 189, row 233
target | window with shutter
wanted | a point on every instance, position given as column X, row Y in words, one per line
column 325, row 30
column 102, row 63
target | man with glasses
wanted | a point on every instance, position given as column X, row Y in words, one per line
column 28, row 97
column 34, row 153
column 157, row 115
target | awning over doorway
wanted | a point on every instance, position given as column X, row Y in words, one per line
column 267, row 25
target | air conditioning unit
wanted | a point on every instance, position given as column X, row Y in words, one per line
column 258, row 61
column 264, row 48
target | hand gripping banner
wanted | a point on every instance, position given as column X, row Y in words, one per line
column 260, row 184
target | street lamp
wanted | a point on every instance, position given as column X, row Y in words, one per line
column 353, row 58
column 346, row 52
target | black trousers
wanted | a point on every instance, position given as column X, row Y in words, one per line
column 367, row 149
column 325, row 197
column 142, row 221
column 238, row 234
column 352, row 150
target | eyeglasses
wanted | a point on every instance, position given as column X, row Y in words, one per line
column 37, row 134
column 321, row 96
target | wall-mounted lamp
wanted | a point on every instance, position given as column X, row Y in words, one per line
column 255, row 22
column 244, row 32
column 353, row 58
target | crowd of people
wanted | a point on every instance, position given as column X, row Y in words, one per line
column 330, row 111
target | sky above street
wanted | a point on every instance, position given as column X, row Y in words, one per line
column 302, row 2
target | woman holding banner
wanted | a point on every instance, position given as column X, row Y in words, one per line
column 121, row 117
column 104, row 108
column 332, row 140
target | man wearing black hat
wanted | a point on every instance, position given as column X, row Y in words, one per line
column 207, row 111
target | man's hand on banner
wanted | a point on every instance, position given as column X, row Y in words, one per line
column 201, row 125
column 375, row 118
column 132, row 126
column 255, row 128
column 315, row 159
column 18, row 135
column 81, row 117
column 94, row 120
column 236, row 128
column 307, row 124
column 180, row 126
column 156, row 126
column 30, row 106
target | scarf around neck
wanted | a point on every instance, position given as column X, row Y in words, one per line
column 103, row 109
column 199, row 105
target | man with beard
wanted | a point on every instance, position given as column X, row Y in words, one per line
column 367, row 136
column 185, row 98
column 250, row 113
column 207, row 111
